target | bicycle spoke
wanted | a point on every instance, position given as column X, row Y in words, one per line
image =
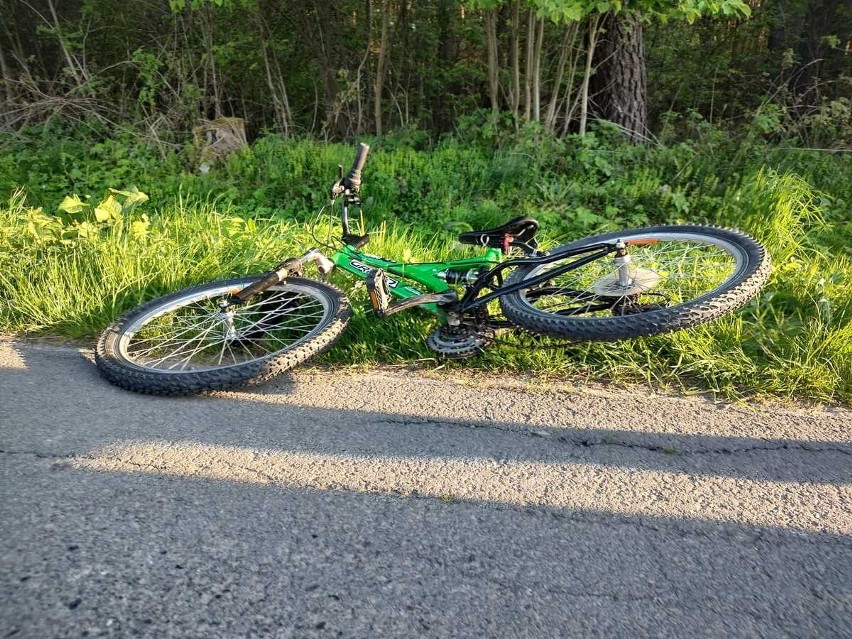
column 199, row 336
column 222, row 352
column 201, row 346
column 272, row 336
column 685, row 270
column 271, row 319
column 160, row 345
column 182, row 349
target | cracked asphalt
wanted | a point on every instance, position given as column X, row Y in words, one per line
column 393, row 504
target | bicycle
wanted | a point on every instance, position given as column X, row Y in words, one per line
column 616, row 285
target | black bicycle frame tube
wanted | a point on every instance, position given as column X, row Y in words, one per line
column 470, row 301
column 344, row 217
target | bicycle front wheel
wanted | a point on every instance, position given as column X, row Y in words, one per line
column 184, row 343
column 676, row 277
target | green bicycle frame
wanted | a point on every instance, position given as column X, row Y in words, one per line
column 423, row 274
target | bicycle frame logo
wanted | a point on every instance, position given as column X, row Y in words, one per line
column 393, row 283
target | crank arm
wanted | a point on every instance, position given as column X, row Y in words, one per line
column 428, row 298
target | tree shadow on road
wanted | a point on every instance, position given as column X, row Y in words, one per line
column 261, row 514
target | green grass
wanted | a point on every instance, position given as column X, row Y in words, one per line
column 74, row 286
column 794, row 341
column 575, row 185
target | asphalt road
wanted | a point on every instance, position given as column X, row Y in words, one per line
column 389, row 504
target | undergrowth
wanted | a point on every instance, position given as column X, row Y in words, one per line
column 75, row 252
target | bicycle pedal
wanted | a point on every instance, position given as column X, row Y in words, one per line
column 379, row 291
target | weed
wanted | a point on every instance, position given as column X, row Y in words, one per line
column 70, row 266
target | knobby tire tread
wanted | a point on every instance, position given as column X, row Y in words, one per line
column 250, row 373
column 738, row 291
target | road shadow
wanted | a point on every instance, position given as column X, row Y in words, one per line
column 262, row 514
column 170, row 556
column 60, row 391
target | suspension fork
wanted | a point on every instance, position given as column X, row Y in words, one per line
column 290, row 266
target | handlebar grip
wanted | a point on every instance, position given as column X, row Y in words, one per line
column 352, row 182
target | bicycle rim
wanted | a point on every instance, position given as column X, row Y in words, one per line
column 672, row 270
column 192, row 334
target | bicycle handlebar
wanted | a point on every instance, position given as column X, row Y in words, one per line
column 352, row 182
column 349, row 187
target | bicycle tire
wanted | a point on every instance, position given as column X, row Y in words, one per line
column 299, row 318
column 746, row 265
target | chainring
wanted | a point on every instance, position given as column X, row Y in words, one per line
column 459, row 342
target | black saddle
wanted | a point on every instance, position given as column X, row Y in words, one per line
column 520, row 230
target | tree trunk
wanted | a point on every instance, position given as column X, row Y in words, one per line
column 528, row 71
column 440, row 102
column 211, row 59
column 493, row 62
column 364, row 96
column 400, row 93
column 537, row 72
column 515, row 59
column 325, row 54
column 567, row 45
column 381, row 65
column 274, row 76
column 620, row 86
column 69, row 59
column 587, row 73
column 7, row 77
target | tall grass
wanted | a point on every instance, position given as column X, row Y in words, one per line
column 75, row 286
column 795, row 340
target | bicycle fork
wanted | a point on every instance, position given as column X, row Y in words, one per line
column 290, row 266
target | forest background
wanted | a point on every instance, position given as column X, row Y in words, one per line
column 589, row 115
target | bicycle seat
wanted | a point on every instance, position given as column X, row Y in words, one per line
column 519, row 229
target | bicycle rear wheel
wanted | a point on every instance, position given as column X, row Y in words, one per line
column 679, row 276
column 183, row 343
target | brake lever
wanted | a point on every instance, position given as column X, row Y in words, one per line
column 337, row 189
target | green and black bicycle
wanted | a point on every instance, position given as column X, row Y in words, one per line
column 611, row 286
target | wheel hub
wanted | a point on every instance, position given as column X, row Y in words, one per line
column 230, row 330
column 641, row 281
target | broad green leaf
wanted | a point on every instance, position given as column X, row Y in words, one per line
column 84, row 229
column 132, row 198
column 135, row 198
column 40, row 231
column 572, row 13
column 560, row 10
column 72, row 204
column 108, row 210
